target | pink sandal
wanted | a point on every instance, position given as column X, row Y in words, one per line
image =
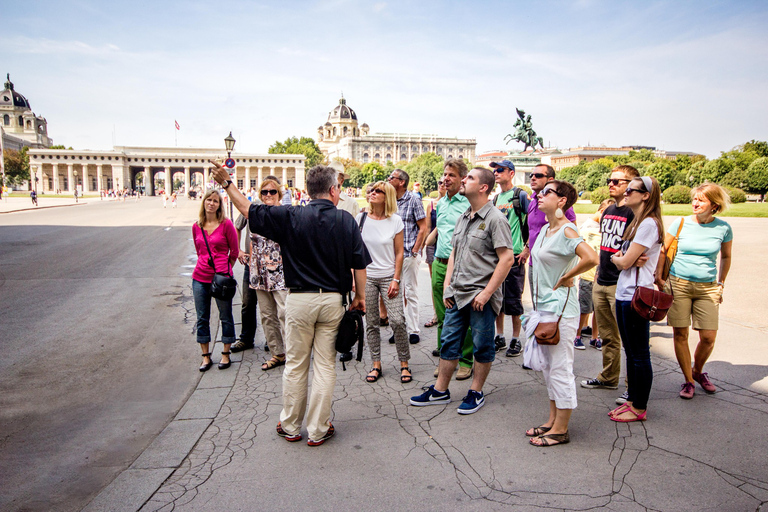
column 620, row 409
column 637, row 417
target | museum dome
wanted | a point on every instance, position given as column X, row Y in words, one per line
column 342, row 111
column 11, row 98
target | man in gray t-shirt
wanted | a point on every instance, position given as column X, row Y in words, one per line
column 480, row 260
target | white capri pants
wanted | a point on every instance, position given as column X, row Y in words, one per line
column 558, row 363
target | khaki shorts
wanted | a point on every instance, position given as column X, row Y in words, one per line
column 697, row 301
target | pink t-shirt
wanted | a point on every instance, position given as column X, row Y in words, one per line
column 223, row 243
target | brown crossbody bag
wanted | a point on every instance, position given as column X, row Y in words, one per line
column 548, row 333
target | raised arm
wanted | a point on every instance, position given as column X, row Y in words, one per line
column 221, row 176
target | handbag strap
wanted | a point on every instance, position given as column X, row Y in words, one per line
column 210, row 255
column 565, row 305
column 340, row 256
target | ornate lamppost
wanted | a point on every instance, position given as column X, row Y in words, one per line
column 229, row 143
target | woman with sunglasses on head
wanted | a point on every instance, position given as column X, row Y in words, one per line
column 215, row 240
column 382, row 231
column 637, row 262
column 559, row 254
column 269, row 282
column 696, row 283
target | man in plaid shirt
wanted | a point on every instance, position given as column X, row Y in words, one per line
column 411, row 210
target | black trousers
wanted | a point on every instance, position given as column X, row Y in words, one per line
column 248, row 311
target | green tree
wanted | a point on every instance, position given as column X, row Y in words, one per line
column 715, row 170
column 737, row 178
column 663, row 171
column 16, row 166
column 423, row 169
column 303, row 146
column 597, row 174
column 740, row 159
column 758, row 146
column 644, row 155
column 572, row 174
column 695, row 176
column 757, row 176
column 60, row 146
column 375, row 171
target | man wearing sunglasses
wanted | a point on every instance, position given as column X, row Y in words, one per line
column 541, row 175
column 613, row 223
column 513, row 202
column 411, row 211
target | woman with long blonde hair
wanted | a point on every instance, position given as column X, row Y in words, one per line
column 212, row 230
column 637, row 261
column 382, row 231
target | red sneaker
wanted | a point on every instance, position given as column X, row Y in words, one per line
column 323, row 439
column 288, row 437
column 704, row 382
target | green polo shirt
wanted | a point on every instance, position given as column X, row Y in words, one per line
column 448, row 212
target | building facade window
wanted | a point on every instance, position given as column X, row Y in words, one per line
column 6, row 119
column 21, row 121
column 365, row 158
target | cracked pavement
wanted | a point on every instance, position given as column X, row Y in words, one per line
column 700, row 454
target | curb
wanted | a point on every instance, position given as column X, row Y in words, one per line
column 42, row 207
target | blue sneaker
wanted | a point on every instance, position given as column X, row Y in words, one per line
column 431, row 397
column 596, row 343
column 472, row 402
column 578, row 344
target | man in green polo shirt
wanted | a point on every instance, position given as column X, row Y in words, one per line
column 449, row 209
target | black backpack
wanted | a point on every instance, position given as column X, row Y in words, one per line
column 518, row 207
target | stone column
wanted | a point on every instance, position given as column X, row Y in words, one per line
column 301, row 177
column 247, row 179
column 260, row 173
column 118, row 179
column 168, row 182
column 186, row 180
column 285, row 177
column 71, row 178
column 55, row 170
column 99, row 177
column 205, row 179
column 149, row 184
column 86, row 187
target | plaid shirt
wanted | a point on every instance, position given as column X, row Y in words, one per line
column 411, row 210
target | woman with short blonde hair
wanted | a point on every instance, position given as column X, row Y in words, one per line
column 696, row 282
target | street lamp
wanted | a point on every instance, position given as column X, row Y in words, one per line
column 74, row 185
column 229, row 143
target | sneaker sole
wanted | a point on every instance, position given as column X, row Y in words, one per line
column 471, row 411
column 580, row 348
column 512, row 355
column 435, row 402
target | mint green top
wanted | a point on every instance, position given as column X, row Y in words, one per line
column 505, row 206
column 697, row 249
column 448, row 212
column 552, row 257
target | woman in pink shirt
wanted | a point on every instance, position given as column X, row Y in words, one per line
column 221, row 237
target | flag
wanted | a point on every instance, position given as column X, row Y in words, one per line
column 177, row 125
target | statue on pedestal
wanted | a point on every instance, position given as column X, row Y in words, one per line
column 524, row 132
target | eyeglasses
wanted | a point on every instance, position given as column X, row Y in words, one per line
column 630, row 190
column 393, row 177
column 378, row 191
column 538, row 175
column 271, row 192
column 615, row 182
column 545, row 192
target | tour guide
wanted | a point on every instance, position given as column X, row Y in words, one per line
column 310, row 239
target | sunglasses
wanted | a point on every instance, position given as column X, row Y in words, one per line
column 630, row 190
column 271, row 192
column 545, row 192
column 538, row 175
column 393, row 177
column 499, row 170
column 615, row 182
column 378, row 191
column 440, row 183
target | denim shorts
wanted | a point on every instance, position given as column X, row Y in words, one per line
column 455, row 326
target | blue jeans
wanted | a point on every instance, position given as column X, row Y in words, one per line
column 458, row 321
column 202, row 295
column 635, row 334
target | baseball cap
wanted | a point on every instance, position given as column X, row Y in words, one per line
column 504, row 163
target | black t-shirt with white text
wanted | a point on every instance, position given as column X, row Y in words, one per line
column 612, row 225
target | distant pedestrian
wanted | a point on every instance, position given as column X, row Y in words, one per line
column 319, row 246
column 215, row 241
column 173, row 200
column 287, row 201
column 33, row 196
column 696, row 282
column 76, row 194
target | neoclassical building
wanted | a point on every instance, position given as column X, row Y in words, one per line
column 93, row 171
column 341, row 137
column 20, row 126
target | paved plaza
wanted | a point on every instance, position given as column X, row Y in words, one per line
column 221, row 451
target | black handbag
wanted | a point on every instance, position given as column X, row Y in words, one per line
column 223, row 286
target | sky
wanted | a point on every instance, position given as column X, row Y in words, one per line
column 677, row 75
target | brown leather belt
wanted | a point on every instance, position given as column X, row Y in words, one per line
column 444, row 261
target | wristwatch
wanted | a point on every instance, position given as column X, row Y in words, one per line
column 228, row 183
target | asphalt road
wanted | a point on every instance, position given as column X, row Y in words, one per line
column 95, row 337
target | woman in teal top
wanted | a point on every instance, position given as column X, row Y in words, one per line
column 697, row 287
column 558, row 256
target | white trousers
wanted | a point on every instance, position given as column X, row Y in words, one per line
column 558, row 365
column 410, row 285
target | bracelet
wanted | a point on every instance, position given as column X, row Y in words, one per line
column 396, row 280
column 722, row 284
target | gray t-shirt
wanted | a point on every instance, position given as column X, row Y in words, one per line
column 474, row 242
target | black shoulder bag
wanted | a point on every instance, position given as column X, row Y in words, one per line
column 223, row 286
column 351, row 325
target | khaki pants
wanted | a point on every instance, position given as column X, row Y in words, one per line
column 311, row 323
column 604, row 299
column 272, row 309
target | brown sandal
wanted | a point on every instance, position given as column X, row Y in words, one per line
column 551, row 439
column 272, row 363
column 537, row 431
column 405, row 379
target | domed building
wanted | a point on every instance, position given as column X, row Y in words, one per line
column 342, row 137
column 21, row 127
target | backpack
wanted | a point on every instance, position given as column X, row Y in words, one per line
column 518, row 207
